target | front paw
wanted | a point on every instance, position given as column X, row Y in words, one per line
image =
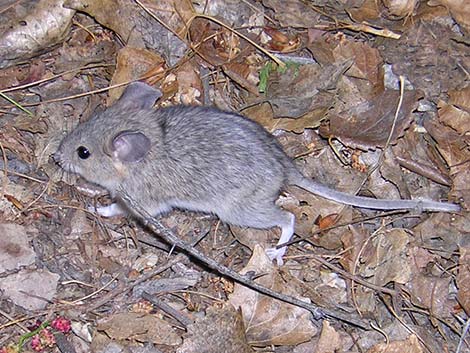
column 108, row 211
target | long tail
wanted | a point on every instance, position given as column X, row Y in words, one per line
column 367, row 202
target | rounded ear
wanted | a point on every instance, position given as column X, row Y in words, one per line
column 139, row 95
column 130, row 146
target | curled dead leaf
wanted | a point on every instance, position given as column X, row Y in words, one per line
column 131, row 64
column 327, row 221
column 221, row 330
column 398, row 9
column 269, row 321
column 454, row 149
column 409, row 345
column 297, row 14
column 329, row 340
column 368, row 125
column 141, row 327
column 137, row 27
column 459, row 9
column 46, row 25
column 300, row 90
column 456, row 113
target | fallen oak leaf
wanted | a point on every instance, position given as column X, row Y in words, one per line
column 368, row 125
column 141, row 327
column 221, row 330
column 269, row 321
column 45, row 26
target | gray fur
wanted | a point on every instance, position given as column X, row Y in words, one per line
column 200, row 159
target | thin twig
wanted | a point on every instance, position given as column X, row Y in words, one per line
column 35, row 83
column 170, row 237
column 177, row 315
column 257, row 46
column 123, row 288
column 353, row 277
column 462, row 336
column 5, row 171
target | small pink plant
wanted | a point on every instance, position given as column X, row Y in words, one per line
column 41, row 335
column 43, row 339
column 61, row 324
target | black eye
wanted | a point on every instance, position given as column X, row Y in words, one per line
column 83, row 152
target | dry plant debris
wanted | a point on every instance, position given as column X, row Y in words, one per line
column 324, row 78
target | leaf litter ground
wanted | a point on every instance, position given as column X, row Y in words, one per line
column 325, row 80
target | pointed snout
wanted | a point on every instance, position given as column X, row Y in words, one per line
column 57, row 157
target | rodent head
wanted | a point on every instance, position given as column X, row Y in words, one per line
column 100, row 149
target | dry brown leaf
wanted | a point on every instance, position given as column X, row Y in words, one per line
column 390, row 182
column 13, row 140
column 233, row 12
column 369, row 10
column 250, row 237
column 281, row 42
column 442, row 232
column 428, row 55
column 221, row 330
column 264, row 115
column 454, row 149
column 32, row 124
column 115, row 260
column 431, row 292
column 329, row 340
column 269, row 321
column 136, row 27
column 174, row 14
column 10, row 77
column 328, row 221
column 308, row 88
column 243, row 74
column 422, row 258
column 398, row 9
column 79, row 225
column 460, row 98
column 383, row 259
column 139, row 327
column 389, row 261
column 20, row 74
column 86, row 47
column 369, row 124
column 321, row 44
column 190, row 90
column 15, row 194
column 456, row 113
column 45, row 26
column 463, row 279
column 218, row 45
column 459, row 9
column 367, row 65
column 454, row 117
column 297, row 14
column 414, row 153
column 353, row 242
column 131, row 64
column 410, row 345
column 307, row 208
